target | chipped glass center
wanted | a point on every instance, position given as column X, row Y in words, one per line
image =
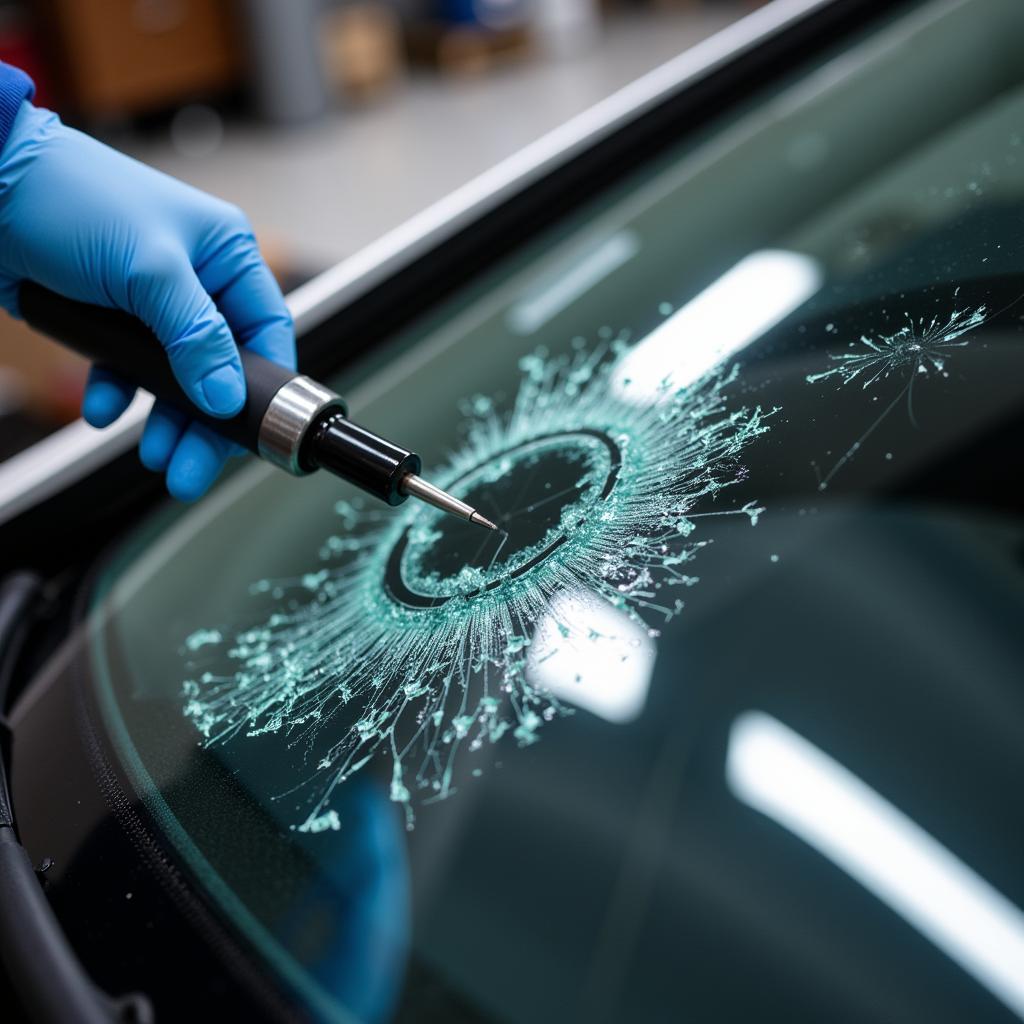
column 537, row 493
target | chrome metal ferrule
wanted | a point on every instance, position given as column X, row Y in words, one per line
column 291, row 412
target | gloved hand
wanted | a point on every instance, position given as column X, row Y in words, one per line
column 95, row 225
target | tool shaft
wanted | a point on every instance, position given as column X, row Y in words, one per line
column 123, row 344
column 287, row 418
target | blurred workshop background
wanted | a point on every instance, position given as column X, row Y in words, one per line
column 329, row 122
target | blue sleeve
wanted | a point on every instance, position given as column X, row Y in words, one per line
column 15, row 87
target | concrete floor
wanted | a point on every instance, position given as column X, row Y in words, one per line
column 321, row 192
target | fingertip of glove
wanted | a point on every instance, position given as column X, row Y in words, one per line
column 154, row 454
column 224, row 391
column 99, row 407
column 186, row 487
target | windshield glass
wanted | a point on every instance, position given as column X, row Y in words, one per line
column 736, row 689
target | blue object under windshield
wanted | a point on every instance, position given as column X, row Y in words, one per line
column 750, row 426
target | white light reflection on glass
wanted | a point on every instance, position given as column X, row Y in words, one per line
column 544, row 303
column 744, row 303
column 593, row 656
column 779, row 773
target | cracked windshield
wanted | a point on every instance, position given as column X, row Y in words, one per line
column 737, row 423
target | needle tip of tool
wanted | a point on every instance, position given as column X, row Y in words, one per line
column 481, row 521
column 418, row 487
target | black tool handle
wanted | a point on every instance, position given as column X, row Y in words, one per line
column 124, row 345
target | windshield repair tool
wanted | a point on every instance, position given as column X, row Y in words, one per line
column 288, row 418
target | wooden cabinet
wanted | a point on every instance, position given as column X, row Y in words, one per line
column 116, row 57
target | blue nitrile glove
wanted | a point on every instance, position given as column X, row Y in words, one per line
column 95, row 225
